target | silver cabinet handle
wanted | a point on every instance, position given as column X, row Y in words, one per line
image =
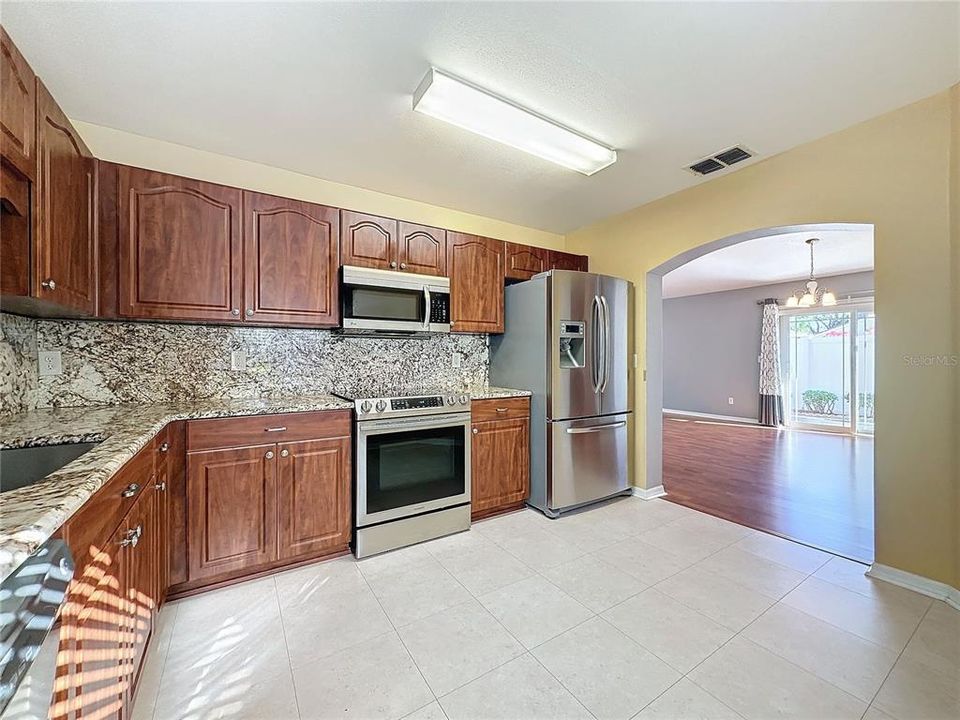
column 164, row 447
column 284, row 453
column 49, row 284
column 403, row 266
column 282, row 428
column 269, row 455
column 235, row 311
column 133, row 537
column 475, row 431
column 596, row 428
column 161, row 486
column 249, row 312
column 131, row 490
column 393, row 263
column 502, row 409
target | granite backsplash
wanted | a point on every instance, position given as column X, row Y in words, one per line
column 110, row 363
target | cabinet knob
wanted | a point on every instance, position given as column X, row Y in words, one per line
column 133, row 537
column 235, row 311
column 249, row 312
column 164, row 447
column 49, row 284
column 269, row 455
column 403, row 266
column 131, row 490
column 284, row 453
column 161, row 486
column 393, row 263
column 474, row 431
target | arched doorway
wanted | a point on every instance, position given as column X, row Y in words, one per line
column 654, row 329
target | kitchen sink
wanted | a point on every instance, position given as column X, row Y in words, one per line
column 20, row 467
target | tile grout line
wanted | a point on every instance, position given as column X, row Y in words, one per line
column 163, row 664
column 286, row 647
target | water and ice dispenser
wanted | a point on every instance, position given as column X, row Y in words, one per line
column 571, row 344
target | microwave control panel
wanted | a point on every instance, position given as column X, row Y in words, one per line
column 440, row 309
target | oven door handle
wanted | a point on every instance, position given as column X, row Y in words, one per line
column 437, row 421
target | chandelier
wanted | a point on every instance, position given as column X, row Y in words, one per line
column 812, row 294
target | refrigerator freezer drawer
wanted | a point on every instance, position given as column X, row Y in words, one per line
column 588, row 460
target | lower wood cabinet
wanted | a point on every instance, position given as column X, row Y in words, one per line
column 253, row 506
column 500, row 455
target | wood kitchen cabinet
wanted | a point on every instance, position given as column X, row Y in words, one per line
column 500, row 455
column 568, row 261
column 291, row 254
column 387, row 244
column 476, row 268
column 179, row 254
column 18, row 110
column 525, row 261
column 264, row 491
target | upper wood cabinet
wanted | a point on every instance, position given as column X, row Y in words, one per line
column 421, row 249
column 368, row 240
column 179, row 254
column 475, row 265
column 314, row 496
column 18, row 109
column 291, row 257
column 568, row 261
column 525, row 261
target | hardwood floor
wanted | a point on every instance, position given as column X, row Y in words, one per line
column 813, row 487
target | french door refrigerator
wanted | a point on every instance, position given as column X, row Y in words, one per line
column 567, row 339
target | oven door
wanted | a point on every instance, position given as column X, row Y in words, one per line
column 412, row 465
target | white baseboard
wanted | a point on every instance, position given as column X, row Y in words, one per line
column 648, row 493
column 917, row 583
column 710, row 416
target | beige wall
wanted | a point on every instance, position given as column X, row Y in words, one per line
column 893, row 171
column 130, row 149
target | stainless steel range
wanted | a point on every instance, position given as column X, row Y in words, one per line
column 412, row 468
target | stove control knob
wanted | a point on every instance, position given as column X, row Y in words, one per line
column 451, row 400
column 464, row 399
column 381, row 406
column 365, row 406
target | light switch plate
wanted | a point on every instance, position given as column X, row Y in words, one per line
column 50, row 363
column 238, row 360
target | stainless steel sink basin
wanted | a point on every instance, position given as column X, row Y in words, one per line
column 20, row 467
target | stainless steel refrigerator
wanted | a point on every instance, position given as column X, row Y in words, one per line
column 567, row 338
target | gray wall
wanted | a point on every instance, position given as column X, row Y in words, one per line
column 711, row 343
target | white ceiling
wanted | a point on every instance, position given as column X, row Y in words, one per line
column 768, row 260
column 325, row 88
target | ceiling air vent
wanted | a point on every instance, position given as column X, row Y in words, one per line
column 720, row 161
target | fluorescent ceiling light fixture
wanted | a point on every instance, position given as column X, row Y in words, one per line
column 459, row 103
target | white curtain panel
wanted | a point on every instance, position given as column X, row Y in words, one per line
column 771, row 383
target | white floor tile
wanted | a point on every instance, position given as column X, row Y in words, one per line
column 149, row 684
column 880, row 619
column 594, row 583
column 587, row 532
column 485, row 568
column 377, row 679
column 850, row 575
column 760, row 685
column 458, row 645
column 720, row 599
column 915, row 690
column 433, row 711
column 936, row 643
column 504, row 528
column 609, row 673
column 312, row 584
column 752, row 572
column 394, row 561
column 534, row 610
column 540, row 549
column 647, row 563
column 520, row 689
column 333, row 623
column 417, row 591
column 687, row 701
column 245, row 602
column 676, row 634
column 874, row 713
column 784, row 552
column 841, row 658
column 694, row 538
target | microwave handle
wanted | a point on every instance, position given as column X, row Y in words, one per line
column 426, row 308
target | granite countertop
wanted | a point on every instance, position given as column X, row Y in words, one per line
column 30, row 515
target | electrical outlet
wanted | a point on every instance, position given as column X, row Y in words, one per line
column 238, row 360
column 50, row 363
column 729, row 401
column 455, row 360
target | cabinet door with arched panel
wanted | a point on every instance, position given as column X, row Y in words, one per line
column 422, row 249
column 368, row 240
column 475, row 266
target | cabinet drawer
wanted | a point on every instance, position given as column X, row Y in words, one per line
column 88, row 531
column 266, row 429
column 500, row 409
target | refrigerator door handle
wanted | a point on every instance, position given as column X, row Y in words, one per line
column 596, row 428
column 597, row 366
column 605, row 312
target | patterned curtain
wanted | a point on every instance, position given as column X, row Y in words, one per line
column 771, row 384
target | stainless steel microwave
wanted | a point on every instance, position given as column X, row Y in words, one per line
column 386, row 301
